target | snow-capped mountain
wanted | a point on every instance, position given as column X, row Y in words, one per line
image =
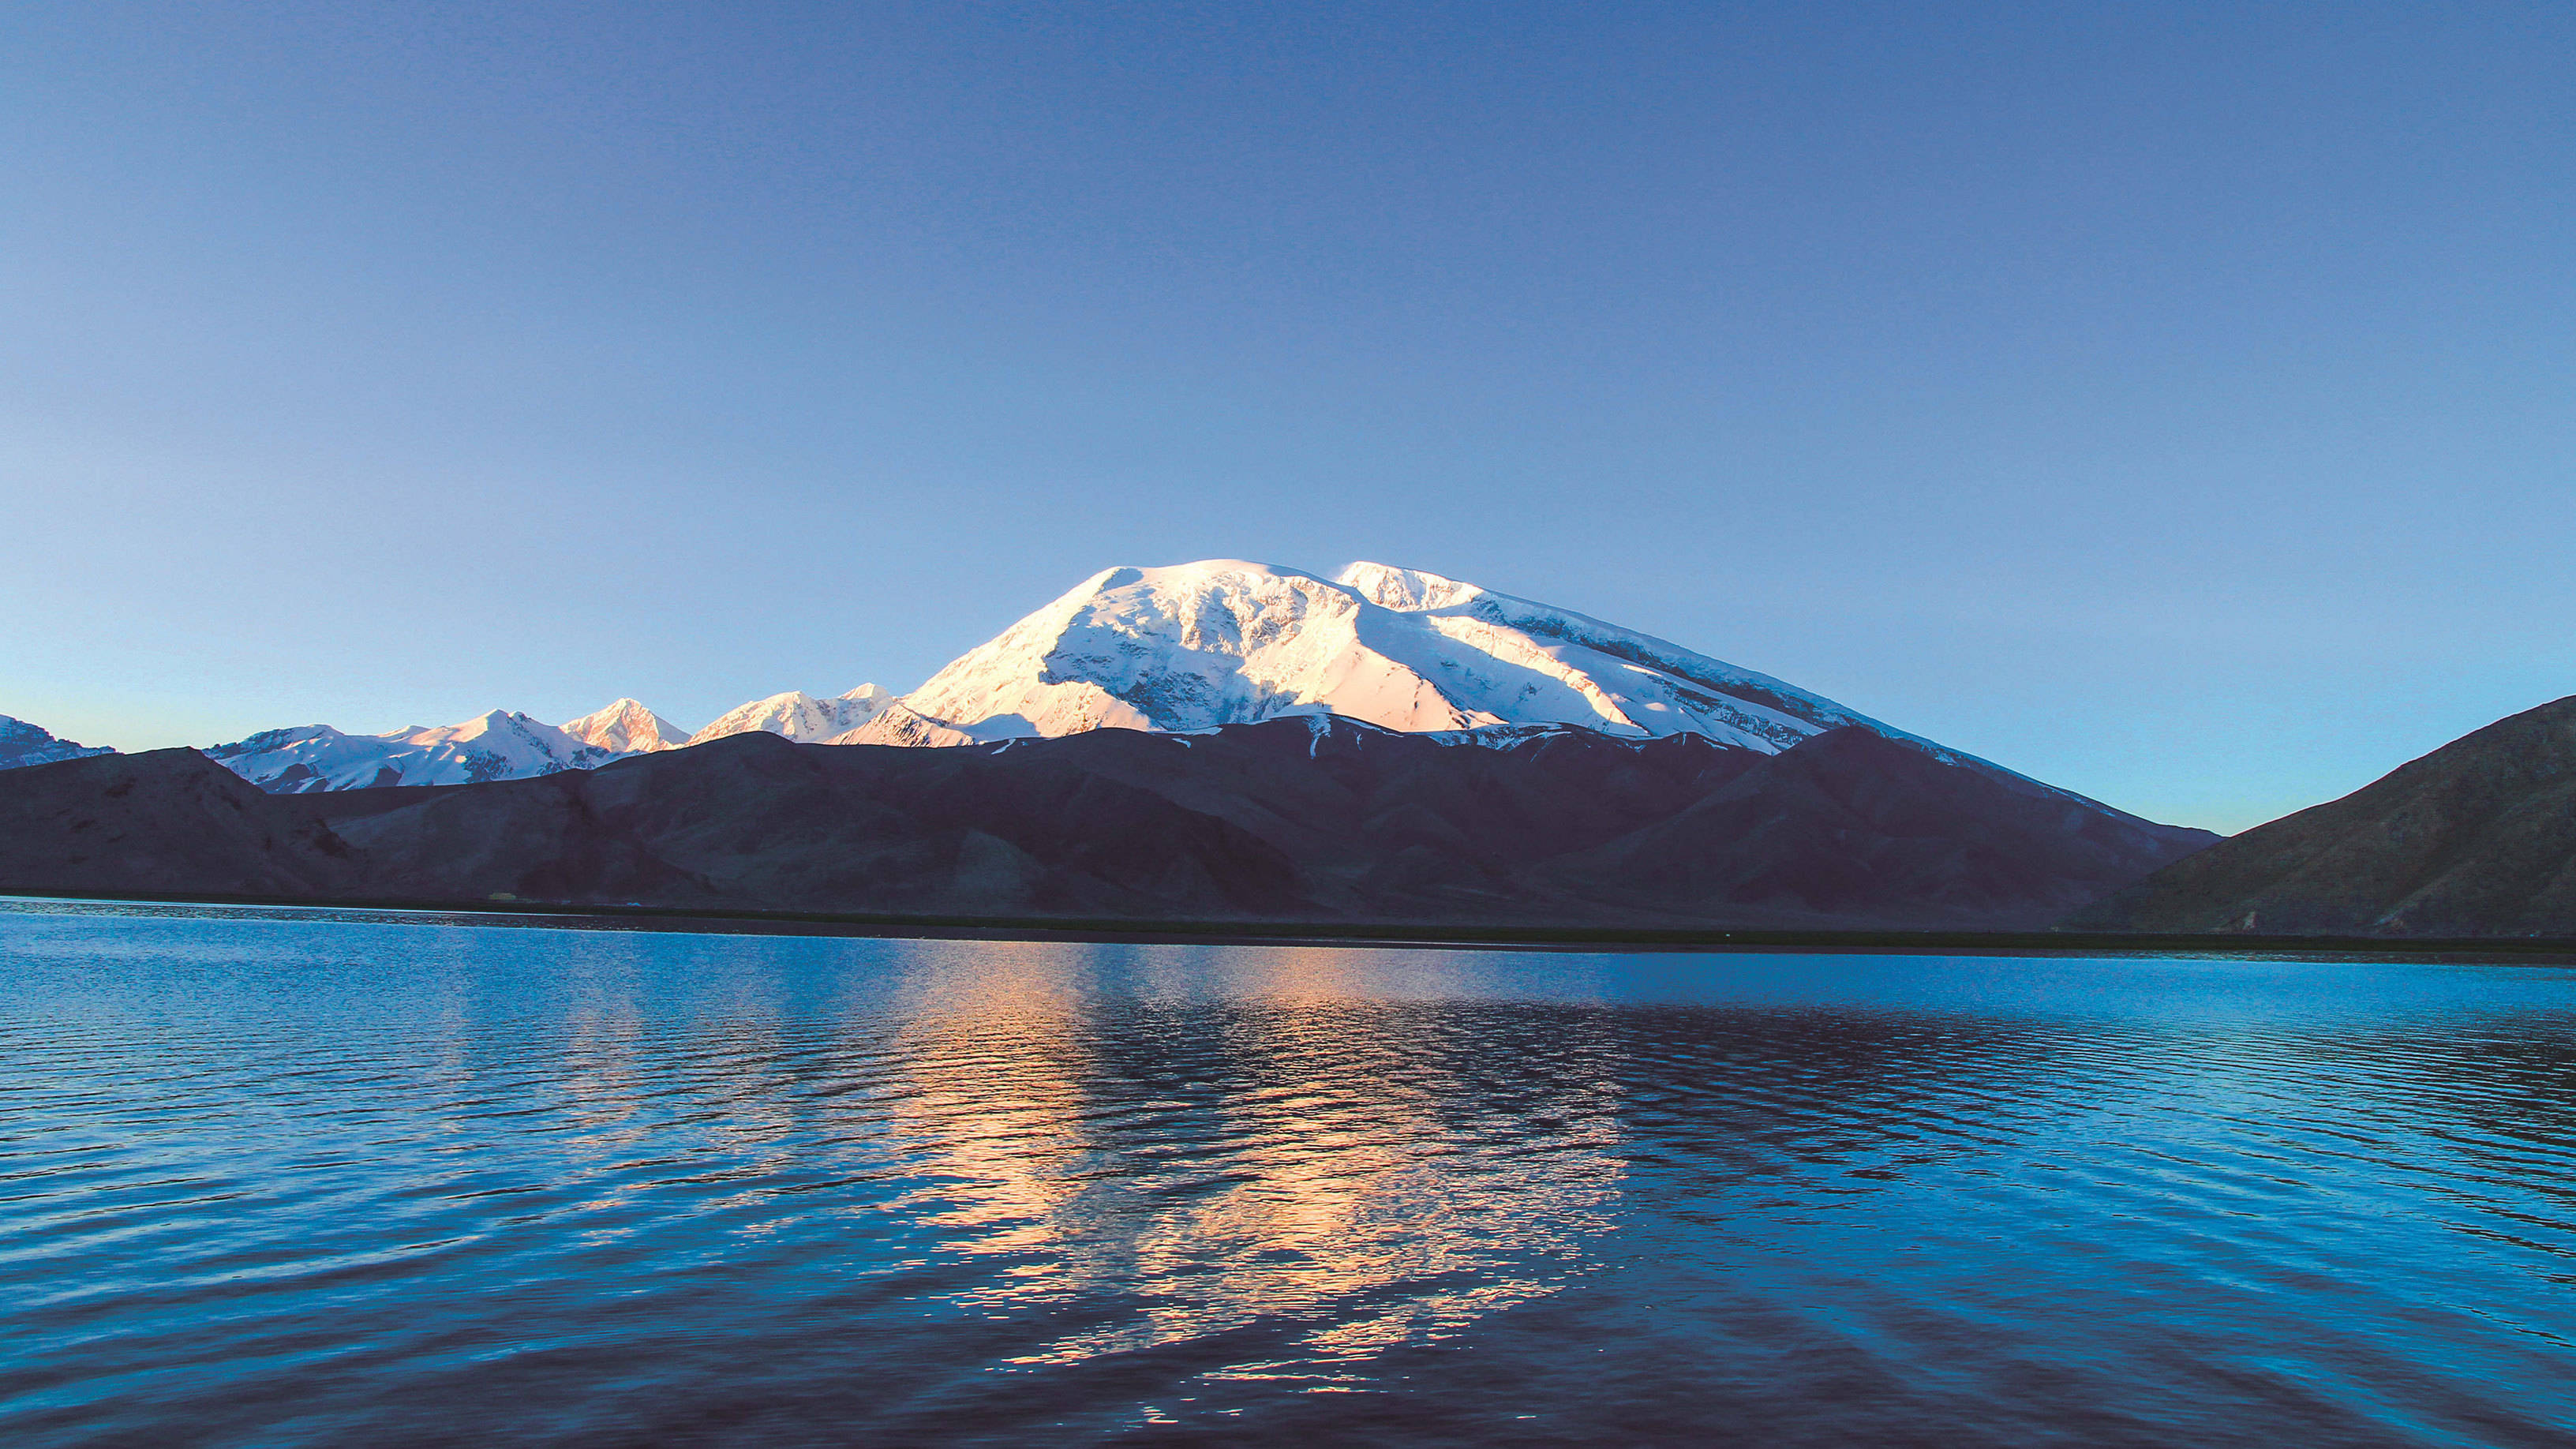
column 800, row 716
column 1199, row 645
column 24, row 744
column 626, row 727
column 498, row 746
column 1185, row 648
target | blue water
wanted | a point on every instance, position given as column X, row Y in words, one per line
column 284, row 1178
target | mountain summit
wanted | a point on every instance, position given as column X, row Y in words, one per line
column 1196, row 646
column 624, row 727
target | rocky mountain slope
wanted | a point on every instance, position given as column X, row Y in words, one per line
column 1305, row 820
column 2477, row 838
column 133, row 822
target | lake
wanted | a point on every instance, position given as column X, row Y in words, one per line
column 318, row 1178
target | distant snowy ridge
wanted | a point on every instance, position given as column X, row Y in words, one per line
column 24, row 744
column 503, row 745
column 497, row 746
column 801, row 717
column 1195, row 646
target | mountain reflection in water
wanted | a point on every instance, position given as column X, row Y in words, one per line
column 290, row 1177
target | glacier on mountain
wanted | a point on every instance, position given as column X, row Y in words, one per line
column 1195, row 646
column 22, row 743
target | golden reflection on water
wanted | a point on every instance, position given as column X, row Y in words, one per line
column 991, row 1099
column 1328, row 1163
column 1255, row 1140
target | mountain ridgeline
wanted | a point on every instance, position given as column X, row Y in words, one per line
column 1185, row 648
column 1217, row 741
column 1308, row 820
column 1229, row 741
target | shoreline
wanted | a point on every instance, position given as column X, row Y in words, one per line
column 1383, row 935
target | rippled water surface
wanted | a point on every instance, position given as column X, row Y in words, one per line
column 280, row 1178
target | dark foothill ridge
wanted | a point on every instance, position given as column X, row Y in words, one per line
column 2476, row 839
column 1326, row 821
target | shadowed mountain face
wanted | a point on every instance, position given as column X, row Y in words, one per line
column 2477, row 838
column 129, row 822
column 1298, row 820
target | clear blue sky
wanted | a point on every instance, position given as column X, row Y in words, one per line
column 2177, row 403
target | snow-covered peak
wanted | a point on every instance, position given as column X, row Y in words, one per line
column 1194, row 646
column 24, row 744
column 799, row 716
column 626, row 727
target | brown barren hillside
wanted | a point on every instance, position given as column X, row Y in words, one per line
column 2477, row 838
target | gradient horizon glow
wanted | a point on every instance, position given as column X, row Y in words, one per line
column 2169, row 402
